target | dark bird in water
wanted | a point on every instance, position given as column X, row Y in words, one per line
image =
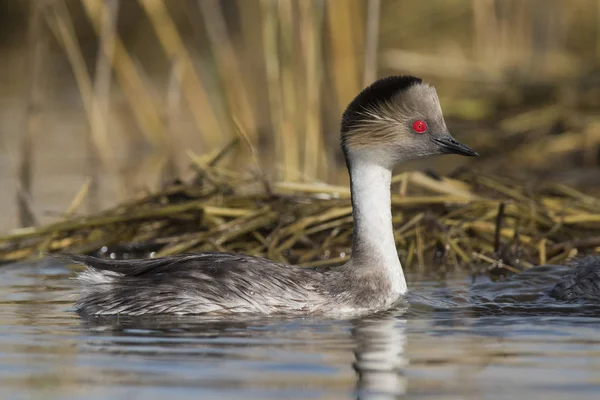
column 581, row 283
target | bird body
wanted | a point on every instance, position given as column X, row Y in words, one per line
column 227, row 283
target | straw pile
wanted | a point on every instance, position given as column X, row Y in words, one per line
column 458, row 221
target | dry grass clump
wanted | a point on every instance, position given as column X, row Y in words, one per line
column 453, row 221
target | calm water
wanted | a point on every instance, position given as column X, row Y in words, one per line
column 456, row 341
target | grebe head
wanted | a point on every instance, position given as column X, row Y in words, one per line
column 396, row 119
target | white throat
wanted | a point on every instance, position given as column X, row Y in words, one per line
column 373, row 240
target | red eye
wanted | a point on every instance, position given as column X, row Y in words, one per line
column 419, row 126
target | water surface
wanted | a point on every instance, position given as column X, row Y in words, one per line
column 455, row 341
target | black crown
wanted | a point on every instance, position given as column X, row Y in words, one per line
column 380, row 91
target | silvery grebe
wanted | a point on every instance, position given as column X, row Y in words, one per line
column 396, row 119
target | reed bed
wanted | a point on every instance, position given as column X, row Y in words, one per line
column 282, row 71
column 461, row 221
column 516, row 82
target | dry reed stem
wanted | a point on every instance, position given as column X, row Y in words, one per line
column 292, row 122
column 130, row 78
column 64, row 31
column 229, row 68
column 201, row 106
column 272, row 66
column 485, row 30
column 445, row 186
column 542, row 251
column 371, row 41
column 98, row 144
column 344, row 68
column 103, row 80
column 495, row 263
column 311, row 21
column 450, row 67
column 308, row 188
column 33, row 116
column 78, row 199
column 170, row 170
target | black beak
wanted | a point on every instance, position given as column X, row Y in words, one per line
column 449, row 145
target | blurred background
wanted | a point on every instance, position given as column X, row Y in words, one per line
column 101, row 100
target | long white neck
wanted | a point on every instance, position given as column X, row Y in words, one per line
column 373, row 240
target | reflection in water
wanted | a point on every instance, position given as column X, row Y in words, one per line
column 377, row 342
column 380, row 356
column 492, row 340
